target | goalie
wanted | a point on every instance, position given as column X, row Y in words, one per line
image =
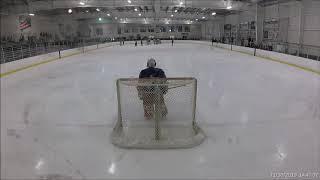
column 152, row 95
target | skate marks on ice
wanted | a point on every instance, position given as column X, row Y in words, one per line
column 13, row 133
column 50, row 157
column 55, row 177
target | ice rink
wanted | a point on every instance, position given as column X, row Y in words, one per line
column 261, row 117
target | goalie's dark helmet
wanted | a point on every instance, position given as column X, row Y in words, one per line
column 151, row 63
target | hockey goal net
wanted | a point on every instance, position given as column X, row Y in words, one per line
column 157, row 113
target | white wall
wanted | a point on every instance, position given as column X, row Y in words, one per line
column 67, row 27
column 292, row 13
column 48, row 24
column 293, row 16
column 304, row 15
column 213, row 29
column 289, row 16
column 9, row 26
column 312, row 22
column 111, row 30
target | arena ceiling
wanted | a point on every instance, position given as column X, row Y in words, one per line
column 174, row 9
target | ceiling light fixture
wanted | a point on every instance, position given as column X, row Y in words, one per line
column 181, row 3
column 139, row 14
column 203, row 17
column 176, row 10
column 135, row 9
column 108, row 14
column 171, row 15
column 229, row 7
column 98, row 9
column 31, row 14
column 82, row 3
column 197, row 19
column 70, row 11
column 129, row 1
column 100, row 19
column 87, row 11
column 214, row 13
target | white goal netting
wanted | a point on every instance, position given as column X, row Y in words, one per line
column 157, row 113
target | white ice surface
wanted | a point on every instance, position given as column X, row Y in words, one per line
column 260, row 117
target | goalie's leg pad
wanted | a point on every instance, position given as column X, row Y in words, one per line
column 148, row 107
column 164, row 109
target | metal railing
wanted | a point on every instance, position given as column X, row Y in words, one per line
column 15, row 51
column 305, row 51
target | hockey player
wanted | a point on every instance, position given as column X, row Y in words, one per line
column 152, row 97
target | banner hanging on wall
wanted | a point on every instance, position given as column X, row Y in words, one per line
column 24, row 22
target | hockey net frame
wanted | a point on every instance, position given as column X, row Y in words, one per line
column 118, row 136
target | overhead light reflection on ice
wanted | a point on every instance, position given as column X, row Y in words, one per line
column 244, row 118
column 112, row 168
column 210, row 84
column 39, row 164
column 202, row 160
column 281, row 153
